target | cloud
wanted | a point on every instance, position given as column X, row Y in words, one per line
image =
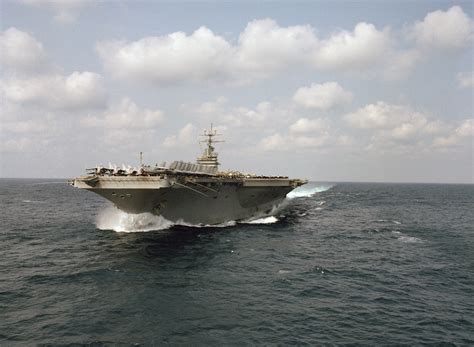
column 263, row 48
column 65, row 11
column 401, row 63
column 21, row 52
column 31, row 129
column 273, row 142
column 24, row 126
column 443, row 30
column 305, row 134
column 361, row 48
column 173, row 58
column 322, row 96
column 185, row 136
column 30, row 79
column 465, row 80
column 305, row 125
column 125, row 115
column 382, row 115
column 79, row 90
column 272, row 127
column 399, row 128
column 289, row 142
column 241, row 116
column 392, row 127
column 125, row 125
column 463, row 131
column 435, row 127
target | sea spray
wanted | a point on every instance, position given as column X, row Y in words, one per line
column 112, row 218
column 308, row 191
column 264, row 220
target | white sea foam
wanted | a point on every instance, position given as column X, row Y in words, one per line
column 409, row 239
column 306, row 192
column 264, row 220
column 405, row 238
column 112, row 218
column 283, row 272
column 230, row 223
column 389, row 221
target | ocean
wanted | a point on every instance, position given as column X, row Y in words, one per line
column 341, row 263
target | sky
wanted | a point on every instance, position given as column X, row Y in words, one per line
column 325, row 90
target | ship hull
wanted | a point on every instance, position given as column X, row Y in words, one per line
column 192, row 201
column 181, row 205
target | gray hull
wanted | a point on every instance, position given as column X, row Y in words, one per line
column 204, row 200
column 183, row 205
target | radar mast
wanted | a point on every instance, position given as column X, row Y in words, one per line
column 209, row 156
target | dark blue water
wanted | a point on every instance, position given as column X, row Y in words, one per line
column 357, row 263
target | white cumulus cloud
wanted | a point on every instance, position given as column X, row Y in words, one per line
column 264, row 45
column 322, row 96
column 263, row 48
column 463, row 131
column 288, row 142
column 382, row 115
column 445, row 30
column 361, row 48
column 305, row 134
column 172, row 58
column 125, row 115
column 20, row 51
column 273, row 142
column 241, row 116
column 79, row 90
column 185, row 136
column 305, row 125
column 401, row 128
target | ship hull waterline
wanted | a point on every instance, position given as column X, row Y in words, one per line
column 195, row 203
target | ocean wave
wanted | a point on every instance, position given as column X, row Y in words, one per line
column 409, row 239
column 389, row 221
column 307, row 192
column 405, row 238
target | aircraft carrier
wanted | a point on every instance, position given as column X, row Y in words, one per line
column 189, row 193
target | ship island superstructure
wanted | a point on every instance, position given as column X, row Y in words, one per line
column 194, row 193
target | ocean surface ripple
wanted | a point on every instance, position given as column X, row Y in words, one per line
column 341, row 263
